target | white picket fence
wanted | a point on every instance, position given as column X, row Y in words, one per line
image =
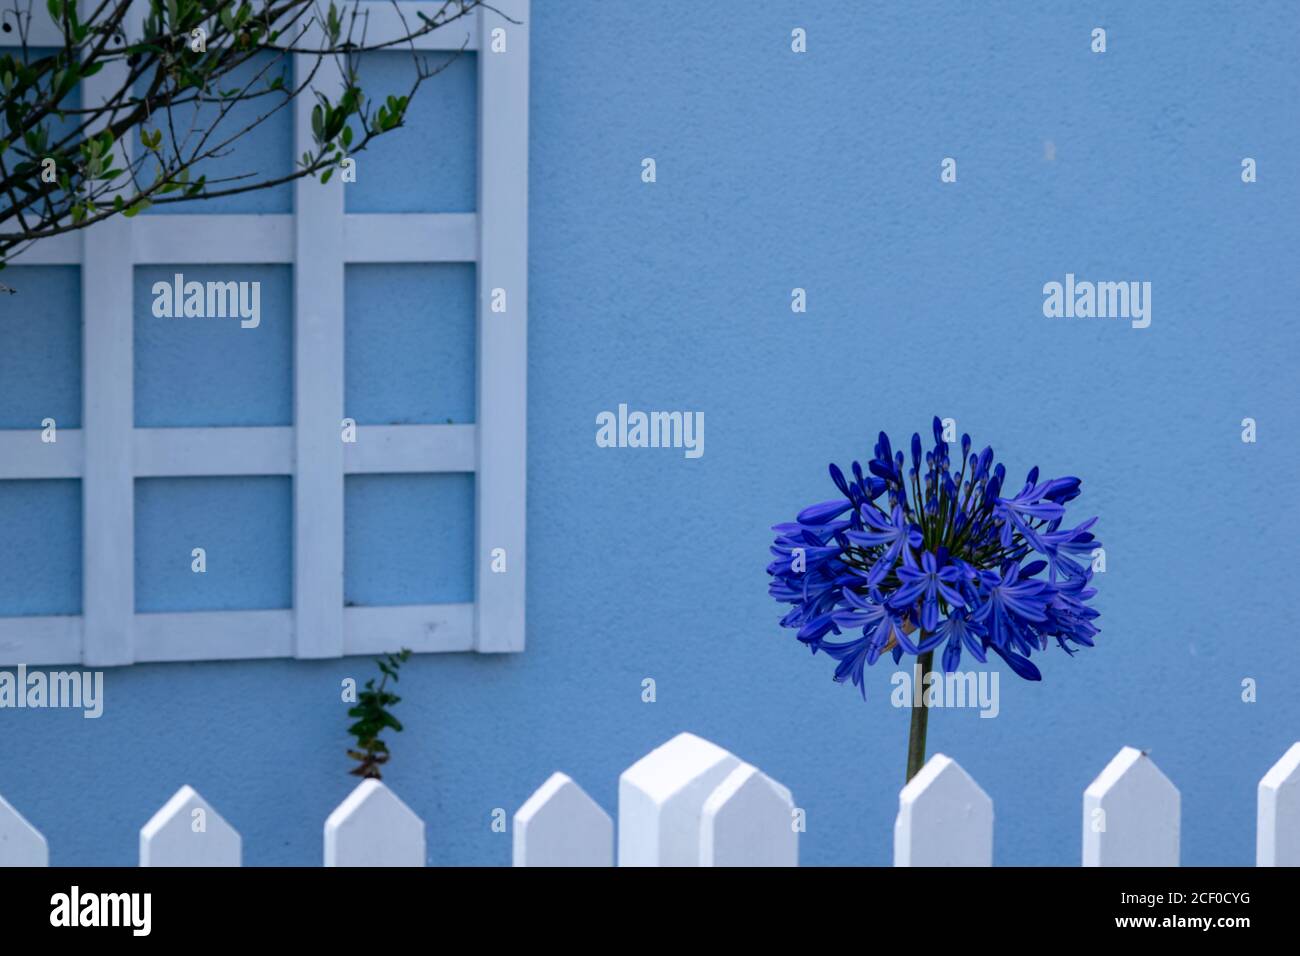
column 692, row 803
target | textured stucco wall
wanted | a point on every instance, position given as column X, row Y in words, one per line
column 819, row 171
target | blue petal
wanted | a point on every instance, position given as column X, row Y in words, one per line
column 952, row 655
column 819, row 514
column 1021, row 665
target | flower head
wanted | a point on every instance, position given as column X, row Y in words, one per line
column 913, row 556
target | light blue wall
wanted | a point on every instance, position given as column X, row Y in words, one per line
column 409, row 348
column 776, row 171
column 40, row 348
column 191, row 372
column 408, row 539
column 42, row 546
column 431, row 165
column 243, row 525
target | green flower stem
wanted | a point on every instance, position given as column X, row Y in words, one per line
column 920, row 717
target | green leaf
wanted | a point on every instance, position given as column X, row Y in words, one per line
column 365, row 730
column 325, row 176
column 333, row 24
column 137, row 208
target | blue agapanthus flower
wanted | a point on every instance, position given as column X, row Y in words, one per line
column 913, row 559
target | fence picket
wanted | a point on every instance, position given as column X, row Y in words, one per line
column 1131, row 814
column 1277, row 830
column 560, row 825
column 661, row 798
column 944, row 818
column 186, row 831
column 748, row 820
column 690, row 802
column 21, row 844
column 373, row 827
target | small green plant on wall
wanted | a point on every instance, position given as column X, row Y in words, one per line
column 373, row 717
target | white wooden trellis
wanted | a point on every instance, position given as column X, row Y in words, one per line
column 691, row 803
column 108, row 453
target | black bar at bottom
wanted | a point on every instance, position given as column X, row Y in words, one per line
column 366, row 907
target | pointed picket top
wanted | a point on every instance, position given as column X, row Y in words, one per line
column 188, row 832
column 1131, row 814
column 661, row 798
column 560, row 825
column 1277, row 830
column 372, row 827
column 944, row 818
column 21, row 844
column 748, row 820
